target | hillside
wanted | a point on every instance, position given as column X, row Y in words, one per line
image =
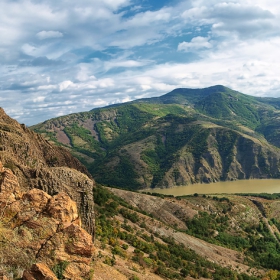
column 144, row 236
column 184, row 137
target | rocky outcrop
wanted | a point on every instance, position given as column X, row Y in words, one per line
column 21, row 147
column 43, row 230
column 39, row 271
column 77, row 185
column 39, row 164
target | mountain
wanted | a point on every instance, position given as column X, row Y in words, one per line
column 183, row 137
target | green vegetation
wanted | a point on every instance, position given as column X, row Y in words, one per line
column 49, row 135
column 90, row 146
column 59, row 269
column 226, row 141
column 229, row 105
column 161, row 110
column 261, row 248
column 269, row 196
column 162, row 255
column 121, row 175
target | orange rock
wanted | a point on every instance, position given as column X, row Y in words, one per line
column 39, row 271
column 38, row 199
column 39, row 164
column 9, row 187
column 49, row 229
column 78, row 271
column 79, row 242
column 63, row 208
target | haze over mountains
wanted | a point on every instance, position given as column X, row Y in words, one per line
column 183, row 137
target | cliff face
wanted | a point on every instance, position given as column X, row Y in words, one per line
column 25, row 149
column 227, row 155
column 38, row 164
column 39, row 232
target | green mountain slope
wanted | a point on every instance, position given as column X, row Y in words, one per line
column 183, row 137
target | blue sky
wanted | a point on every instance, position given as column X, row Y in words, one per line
column 60, row 57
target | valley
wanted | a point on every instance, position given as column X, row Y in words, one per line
column 234, row 235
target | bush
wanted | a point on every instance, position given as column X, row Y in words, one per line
column 59, row 269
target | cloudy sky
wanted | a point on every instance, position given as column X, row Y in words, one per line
column 60, row 57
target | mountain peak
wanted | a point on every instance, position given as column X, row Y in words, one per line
column 218, row 87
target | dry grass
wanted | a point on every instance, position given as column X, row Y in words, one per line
column 13, row 259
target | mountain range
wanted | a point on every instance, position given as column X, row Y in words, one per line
column 184, row 137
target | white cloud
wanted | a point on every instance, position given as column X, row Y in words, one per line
column 246, row 20
column 124, row 63
column 39, row 99
column 197, row 43
column 149, row 18
column 28, row 49
column 65, row 85
column 99, row 102
column 42, row 35
column 114, row 4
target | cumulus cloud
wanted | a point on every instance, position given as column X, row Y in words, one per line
column 196, row 43
column 42, row 35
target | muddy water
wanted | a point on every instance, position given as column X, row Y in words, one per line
column 240, row 186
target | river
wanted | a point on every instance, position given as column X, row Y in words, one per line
column 239, row 186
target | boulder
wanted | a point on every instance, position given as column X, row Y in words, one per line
column 39, row 271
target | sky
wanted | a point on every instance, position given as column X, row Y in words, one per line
column 66, row 56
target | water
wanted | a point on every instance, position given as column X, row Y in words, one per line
column 239, row 186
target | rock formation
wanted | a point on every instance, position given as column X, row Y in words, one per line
column 38, row 164
column 40, row 232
